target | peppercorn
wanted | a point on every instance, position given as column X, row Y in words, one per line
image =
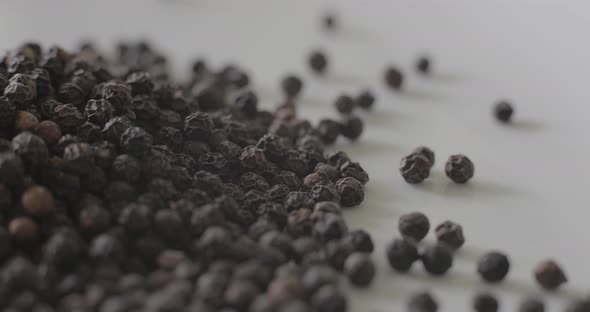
column 23, row 230
column 365, row 100
column 393, row 78
column 354, row 170
column 291, row 85
column 7, row 113
column 437, row 259
column 48, row 131
column 344, row 104
column 485, row 302
column 318, row 62
column 67, row 116
column 426, row 152
column 11, row 169
column 422, row 302
column 423, row 65
column 414, row 168
column 31, row 148
column 38, row 201
column 360, row 239
column 20, row 94
column 351, row 191
column 450, row 234
column 493, row 266
column 136, row 141
column 328, row 130
column 549, row 275
column 329, row 299
column 459, row 168
column 352, row 128
column 25, row 121
column 360, row 269
column 414, row 225
column 503, row 111
column 531, row 304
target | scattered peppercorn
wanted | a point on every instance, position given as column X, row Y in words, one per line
column 393, row 78
column 414, row 225
column 365, row 100
column 437, row 259
column 549, row 275
column 414, row 168
column 450, row 234
column 318, row 62
column 360, row 269
column 423, row 65
column 459, row 168
column 485, row 302
column 426, row 152
column 531, row 304
column 344, row 104
column 422, row 302
column 503, row 111
column 352, row 128
column 401, row 254
column 292, row 86
column 493, row 266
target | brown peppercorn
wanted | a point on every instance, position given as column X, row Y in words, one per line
column 344, row 104
column 485, row 303
column 414, row 168
column 360, row 269
column 393, row 78
column 25, row 121
column 38, row 201
column 49, row 131
column 459, row 168
column 450, row 234
column 314, row 178
column 549, row 275
column 352, row 128
column 414, row 225
column 318, row 62
column 23, row 229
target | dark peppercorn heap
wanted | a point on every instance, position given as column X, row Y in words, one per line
column 121, row 190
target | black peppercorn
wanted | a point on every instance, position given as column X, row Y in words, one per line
column 401, row 254
column 393, row 78
column 414, row 225
column 351, row 191
column 360, row 239
column 414, row 168
column 437, row 259
column 485, row 303
column 531, row 304
column 459, row 168
column 291, row 85
column 67, row 116
column 31, row 148
column 136, row 141
column 360, row 269
column 352, row 128
column 423, row 65
column 450, row 234
column 503, row 111
column 99, row 111
column 426, row 152
column 549, row 275
column 329, row 299
column 23, row 230
column 365, row 100
column 328, row 130
column 493, row 266
column 344, row 104
column 318, row 62
column 422, row 302
column 354, row 170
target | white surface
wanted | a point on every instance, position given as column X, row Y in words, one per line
column 529, row 196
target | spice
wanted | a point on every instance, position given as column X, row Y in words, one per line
column 25, row 121
column 344, row 104
column 459, row 168
column 352, row 128
column 450, row 234
column 23, row 230
column 423, row 65
column 437, row 259
column 493, row 266
column 503, row 111
column 38, row 201
column 485, row 302
column 414, row 225
column 401, row 254
column 549, row 275
column 360, row 239
column 329, row 299
column 360, row 269
column 351, row 191
column 414, row 168
column 531, row 304
column 393, row 78
column 318, row 62
column 426, row 152
column 422, row 302
column 291, row 86
column 49, row 131
column 365, row 100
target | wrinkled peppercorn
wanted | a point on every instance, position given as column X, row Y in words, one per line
column 450, row 234
column 401, row 254
column 351, row 191
column 318, row 62
column 291, row 85
column 422, row 302
column 414, row 168
column 459, row 168
column 549, row 275
column 136, row 141
column 354, row 170
column 485, row 303
column 493, row 266
column 531, row 304
column 393, row 78
column 503, row 111
column 414, row 225
column 437, row 259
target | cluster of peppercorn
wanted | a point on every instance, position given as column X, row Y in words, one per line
column 122, row 191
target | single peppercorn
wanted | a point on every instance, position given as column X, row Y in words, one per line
column 49, row 131
column 23, row 229
column 423, row 65
column 549, row 275
column 401, row 254
column 38, row 201
column 318, row 62
column 360, row 239
column 344, row 104
column 291, row 85
column 414, row 225
column 352, row 128
column 136, row 141
column 450, row 234
column 414, row 168
column 459, row 168
column 329, row 299
column 365, row 100
column 25, row 121
column 422, row 302
column 393, row 78
column 485, row 302
column 426, row 152
column 531, row 304
column 351, row 191
column 493, row 266
column 437, row 259
column 503, row 111
column 354, row 170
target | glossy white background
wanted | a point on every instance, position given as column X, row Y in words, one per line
column 529, row 196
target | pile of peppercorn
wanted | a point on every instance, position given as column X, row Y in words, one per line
column 123, row 191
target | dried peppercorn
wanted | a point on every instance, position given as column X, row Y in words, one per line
column 252, row 158
column 549, row 275
column 414, row 225
column 365, row 100
column 426, row 152
column 450, row 234
column 485, row 302
column 247, row 104
column 25, row 121
column 393, row 78
column 423, row 65
column 198, row 125
column 344, row 104
column 7, row 113
column 136, row 141
column 31, row 148
column 531, row 304
column 11, row 169
column 329, row 227
column 401, row 254
column 299, row 222
column 437, row 259
column 140, row 83
column 67, row 116
column 23, row 230
column 354, row 170
column 318, row 62
column 287, row 178
column 351, row 191
column 118, row 94
column 459, row 168
column 321, row 192
column 360, row 239
column 252, row 181
column 49, row 131
column 38, row 201
column 20, row 94
column 503, row 111
column 291, row 85
column 323, row 169
column 99, row 111
column 329, row 299
column 328, row 130
column 414, row 168
column 273, row 147
column 352, row 128
column 493, row 266
column 360, row 269
column 422, row 302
